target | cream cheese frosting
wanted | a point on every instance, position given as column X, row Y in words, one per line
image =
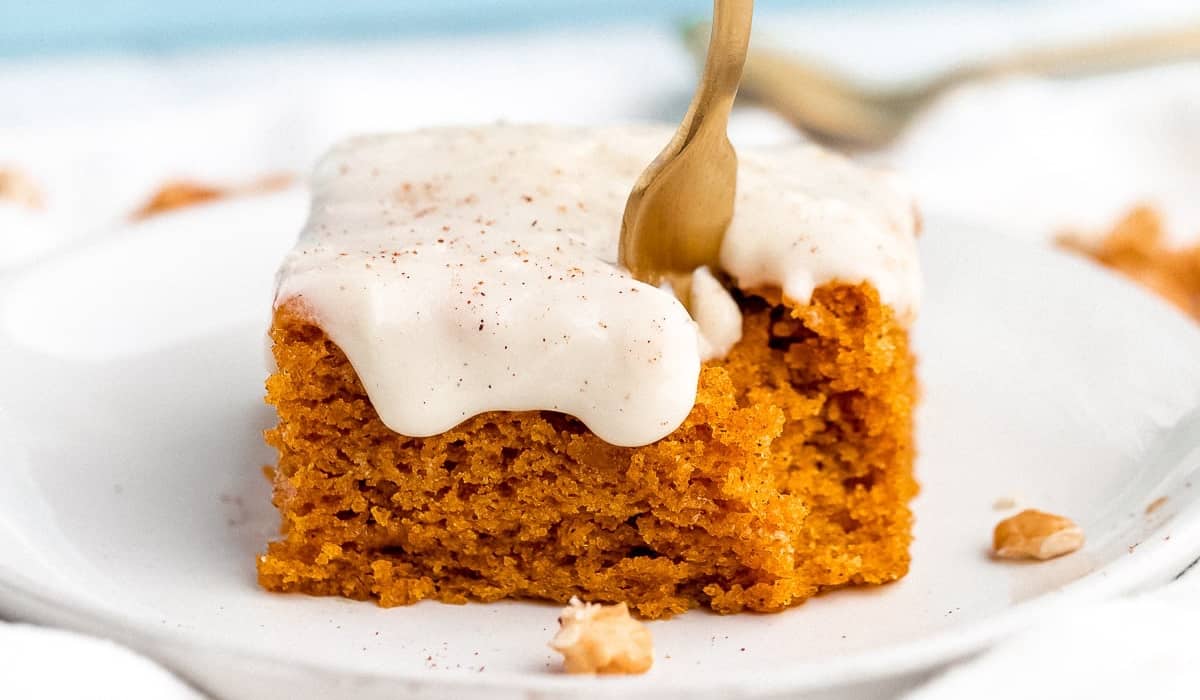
column 473, row 269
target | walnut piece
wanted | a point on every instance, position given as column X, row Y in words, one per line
column 1032, row 534
column 17, row 188
column 597, row 638
column 1004, row 503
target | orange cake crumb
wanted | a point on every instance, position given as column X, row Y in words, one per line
column 792, row 474
column 184, row 193
column 176, row 195
column 16, row 187
column 1137, row 248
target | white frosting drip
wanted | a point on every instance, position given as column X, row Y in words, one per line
column 716, row 313
column 805, row 216
column 465, row 270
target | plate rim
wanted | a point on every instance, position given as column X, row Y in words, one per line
column 1155, row 561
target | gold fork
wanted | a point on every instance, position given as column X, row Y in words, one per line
column 679, row 208
column 835, row 109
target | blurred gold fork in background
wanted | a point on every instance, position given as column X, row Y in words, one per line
column 838, row 110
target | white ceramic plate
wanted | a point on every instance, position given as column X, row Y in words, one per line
column 132, row 502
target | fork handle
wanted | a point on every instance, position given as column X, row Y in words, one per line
column 1096, row 56
column 723, row 64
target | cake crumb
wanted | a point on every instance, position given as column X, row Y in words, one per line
column 17, row 188
column 176, row 195
column 184, row 193
column 1032, row 534
column 596, row 638
column 1138, row 248
column 1155, row 505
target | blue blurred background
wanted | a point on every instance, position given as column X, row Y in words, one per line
column 102, row 101
column 36, row 27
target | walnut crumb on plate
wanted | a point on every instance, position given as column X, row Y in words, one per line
column 596, row 638
column 1032, row 534
column 1004, row 503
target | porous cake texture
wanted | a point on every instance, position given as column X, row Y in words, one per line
column 791, row 475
